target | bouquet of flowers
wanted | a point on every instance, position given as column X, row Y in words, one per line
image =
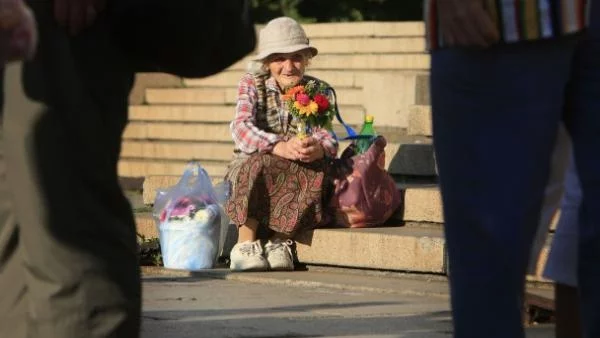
column 310, row 105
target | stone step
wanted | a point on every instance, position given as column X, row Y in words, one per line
column 369, row 45
column 199, row 131
column 394, row 248
column 170, row 150
column 145, row 225
column 407, row 156
column 228, row 95
column 369, row 29
column 419, row 121
column 178, row 131
column 397, row 61
column 336, row 78
column 214, row 113
column 211, row 122
column 422, row 204
column 227, row 78
column 151, row 80
column 364, row 29
column 218, row 113
column 399, row 150
column 135, row 167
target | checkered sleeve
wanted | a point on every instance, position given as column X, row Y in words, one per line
column 247, row 137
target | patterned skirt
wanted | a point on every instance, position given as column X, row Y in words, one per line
column 282, row 195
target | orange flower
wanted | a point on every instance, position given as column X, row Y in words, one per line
column 290, row 94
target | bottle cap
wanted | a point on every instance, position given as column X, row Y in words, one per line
column 369, row 118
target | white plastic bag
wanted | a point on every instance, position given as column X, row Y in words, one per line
column 188, row 216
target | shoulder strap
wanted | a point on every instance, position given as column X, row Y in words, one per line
column 351, row 133
column 261, row 91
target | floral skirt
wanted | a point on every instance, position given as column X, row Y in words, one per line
column 282, row 195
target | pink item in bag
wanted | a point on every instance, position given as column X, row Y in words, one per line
column 365, row 194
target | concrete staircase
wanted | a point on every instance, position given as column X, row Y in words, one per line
column 377, row 68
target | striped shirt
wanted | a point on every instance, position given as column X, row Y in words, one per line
column 521, row 20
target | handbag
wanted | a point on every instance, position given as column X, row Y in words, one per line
column 365, row 194
column 187, row 38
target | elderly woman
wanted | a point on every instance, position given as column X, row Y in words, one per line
column 278, row 180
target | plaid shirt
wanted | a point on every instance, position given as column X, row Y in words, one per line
column 521, row 20
column 249, row 139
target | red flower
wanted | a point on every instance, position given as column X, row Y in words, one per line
column 322, row 102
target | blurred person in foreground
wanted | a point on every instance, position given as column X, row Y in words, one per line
column 68, row 256
column 502, row 74
column 68, row 253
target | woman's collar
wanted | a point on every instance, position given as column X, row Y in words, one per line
column 271, row 84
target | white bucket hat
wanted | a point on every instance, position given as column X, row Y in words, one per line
column 282, row 35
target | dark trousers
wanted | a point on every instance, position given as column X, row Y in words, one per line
column 496, row 114
column 68, row 256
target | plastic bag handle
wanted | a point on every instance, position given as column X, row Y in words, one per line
column 187, row 176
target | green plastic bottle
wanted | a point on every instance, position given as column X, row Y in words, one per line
column 363, row 143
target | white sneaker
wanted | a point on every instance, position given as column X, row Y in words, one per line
column 279, row 254
column 248, row 256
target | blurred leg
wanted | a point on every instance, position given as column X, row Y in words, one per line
column 584, row 126
column 64, row 116
column 496, row 114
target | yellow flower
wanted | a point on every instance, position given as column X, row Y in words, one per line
column 311, row 108
column 314, row 107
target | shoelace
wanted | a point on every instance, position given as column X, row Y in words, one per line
column 287, row 244
column 250, row 249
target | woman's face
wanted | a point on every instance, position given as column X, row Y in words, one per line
column 287, row 69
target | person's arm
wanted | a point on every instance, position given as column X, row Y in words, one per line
column 247, row 137
column 466, row 23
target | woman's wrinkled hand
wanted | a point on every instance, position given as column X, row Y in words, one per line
column 306, row 150
column 311, row 150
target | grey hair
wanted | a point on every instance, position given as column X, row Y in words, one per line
column 259, row 67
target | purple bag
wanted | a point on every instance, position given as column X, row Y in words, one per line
column 365, row 194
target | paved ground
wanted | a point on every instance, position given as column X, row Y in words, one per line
column 297, row 304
